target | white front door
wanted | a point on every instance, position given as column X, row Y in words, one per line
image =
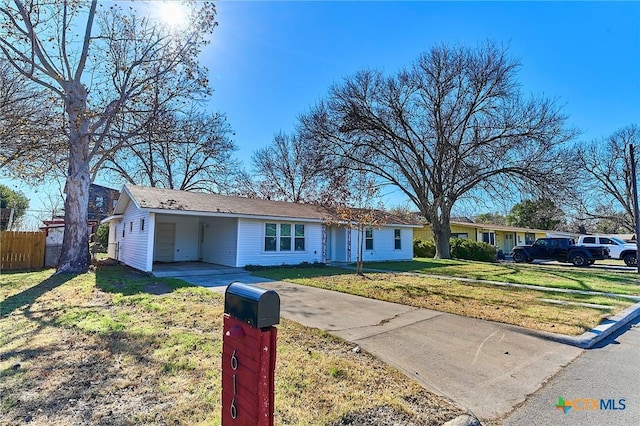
column 165, row 239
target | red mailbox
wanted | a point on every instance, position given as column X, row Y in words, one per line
column 249, row 355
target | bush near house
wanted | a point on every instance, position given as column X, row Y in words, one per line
column 422, row 248
column 460, row 249
column 472, row 250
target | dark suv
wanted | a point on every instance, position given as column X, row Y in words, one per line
column 560, row 249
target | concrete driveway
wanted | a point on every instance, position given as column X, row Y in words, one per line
column 487, row 368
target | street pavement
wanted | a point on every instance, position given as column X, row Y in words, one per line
column 610, row 371
column 485, row 367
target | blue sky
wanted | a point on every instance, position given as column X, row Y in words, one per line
column 269, row 61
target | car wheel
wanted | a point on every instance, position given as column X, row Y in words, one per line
column 519, row 257
column 630, row 259
column 579, row 260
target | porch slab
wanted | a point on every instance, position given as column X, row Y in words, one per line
column 185, row 269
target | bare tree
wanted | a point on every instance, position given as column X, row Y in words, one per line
column 290, row 169
column 363, row 214
column 31, row 135
column 96, row 71
column 190, row 152
column 452, row 123
column 607, row 172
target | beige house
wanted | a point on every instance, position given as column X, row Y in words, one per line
column 503, row 237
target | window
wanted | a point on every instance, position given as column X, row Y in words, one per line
column 123, row 226
column 270, row 237
column 130, row 227
column 397, row 241
column 489, row 238
column 284, row 237
column 529, row 238
column 99, row 202
column 604, row 240
column 299, row 238
column 463, row 236
column 141, row 224
column 589, row 240
column 368, row 239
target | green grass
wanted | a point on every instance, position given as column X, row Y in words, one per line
column 568, row 277
column 120, row 345
column 517, row 306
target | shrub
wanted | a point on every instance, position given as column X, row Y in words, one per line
column 472, row 250
column 101, row 239
column 422, row 248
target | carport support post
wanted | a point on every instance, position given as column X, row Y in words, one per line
column 636, row 215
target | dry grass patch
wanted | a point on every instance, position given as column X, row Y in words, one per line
column 556, row 276
column 118, row 347
column 502, row 304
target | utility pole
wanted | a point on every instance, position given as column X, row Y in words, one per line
column 636, row 214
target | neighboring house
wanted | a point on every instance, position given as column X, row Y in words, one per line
column 503, row 237
column 102, row 201
column 153, row 225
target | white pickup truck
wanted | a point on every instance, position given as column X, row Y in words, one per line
column 618, row 249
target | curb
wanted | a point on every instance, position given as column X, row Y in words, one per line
column 590, row 338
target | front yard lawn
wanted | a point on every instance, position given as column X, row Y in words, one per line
column 115, row 347
column 589, row 279
column 522, row 307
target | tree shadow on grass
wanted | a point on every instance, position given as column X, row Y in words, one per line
column 128, row 281
column 30, row 295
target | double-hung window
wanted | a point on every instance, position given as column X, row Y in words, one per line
column 284, row 237
column 397, row 241
column 368, row 239
column 270, row 237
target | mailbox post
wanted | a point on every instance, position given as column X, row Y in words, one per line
column 249, row 355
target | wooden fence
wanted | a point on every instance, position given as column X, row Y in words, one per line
column 21, row 250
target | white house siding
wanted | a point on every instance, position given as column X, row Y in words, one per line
column 251, row 244
column 219, row 244
column 186, row 236
column 132, row 248
column 383, row 245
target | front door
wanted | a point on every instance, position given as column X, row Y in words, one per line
column 509, row 242
column 165, row 239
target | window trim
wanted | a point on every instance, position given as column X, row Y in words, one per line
column 295, row 237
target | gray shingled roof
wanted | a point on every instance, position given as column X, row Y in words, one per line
column 169, row 199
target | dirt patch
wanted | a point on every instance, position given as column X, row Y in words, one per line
column 157, row 288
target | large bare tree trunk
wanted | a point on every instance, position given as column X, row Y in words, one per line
column 75, row 257
column 439, row 219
